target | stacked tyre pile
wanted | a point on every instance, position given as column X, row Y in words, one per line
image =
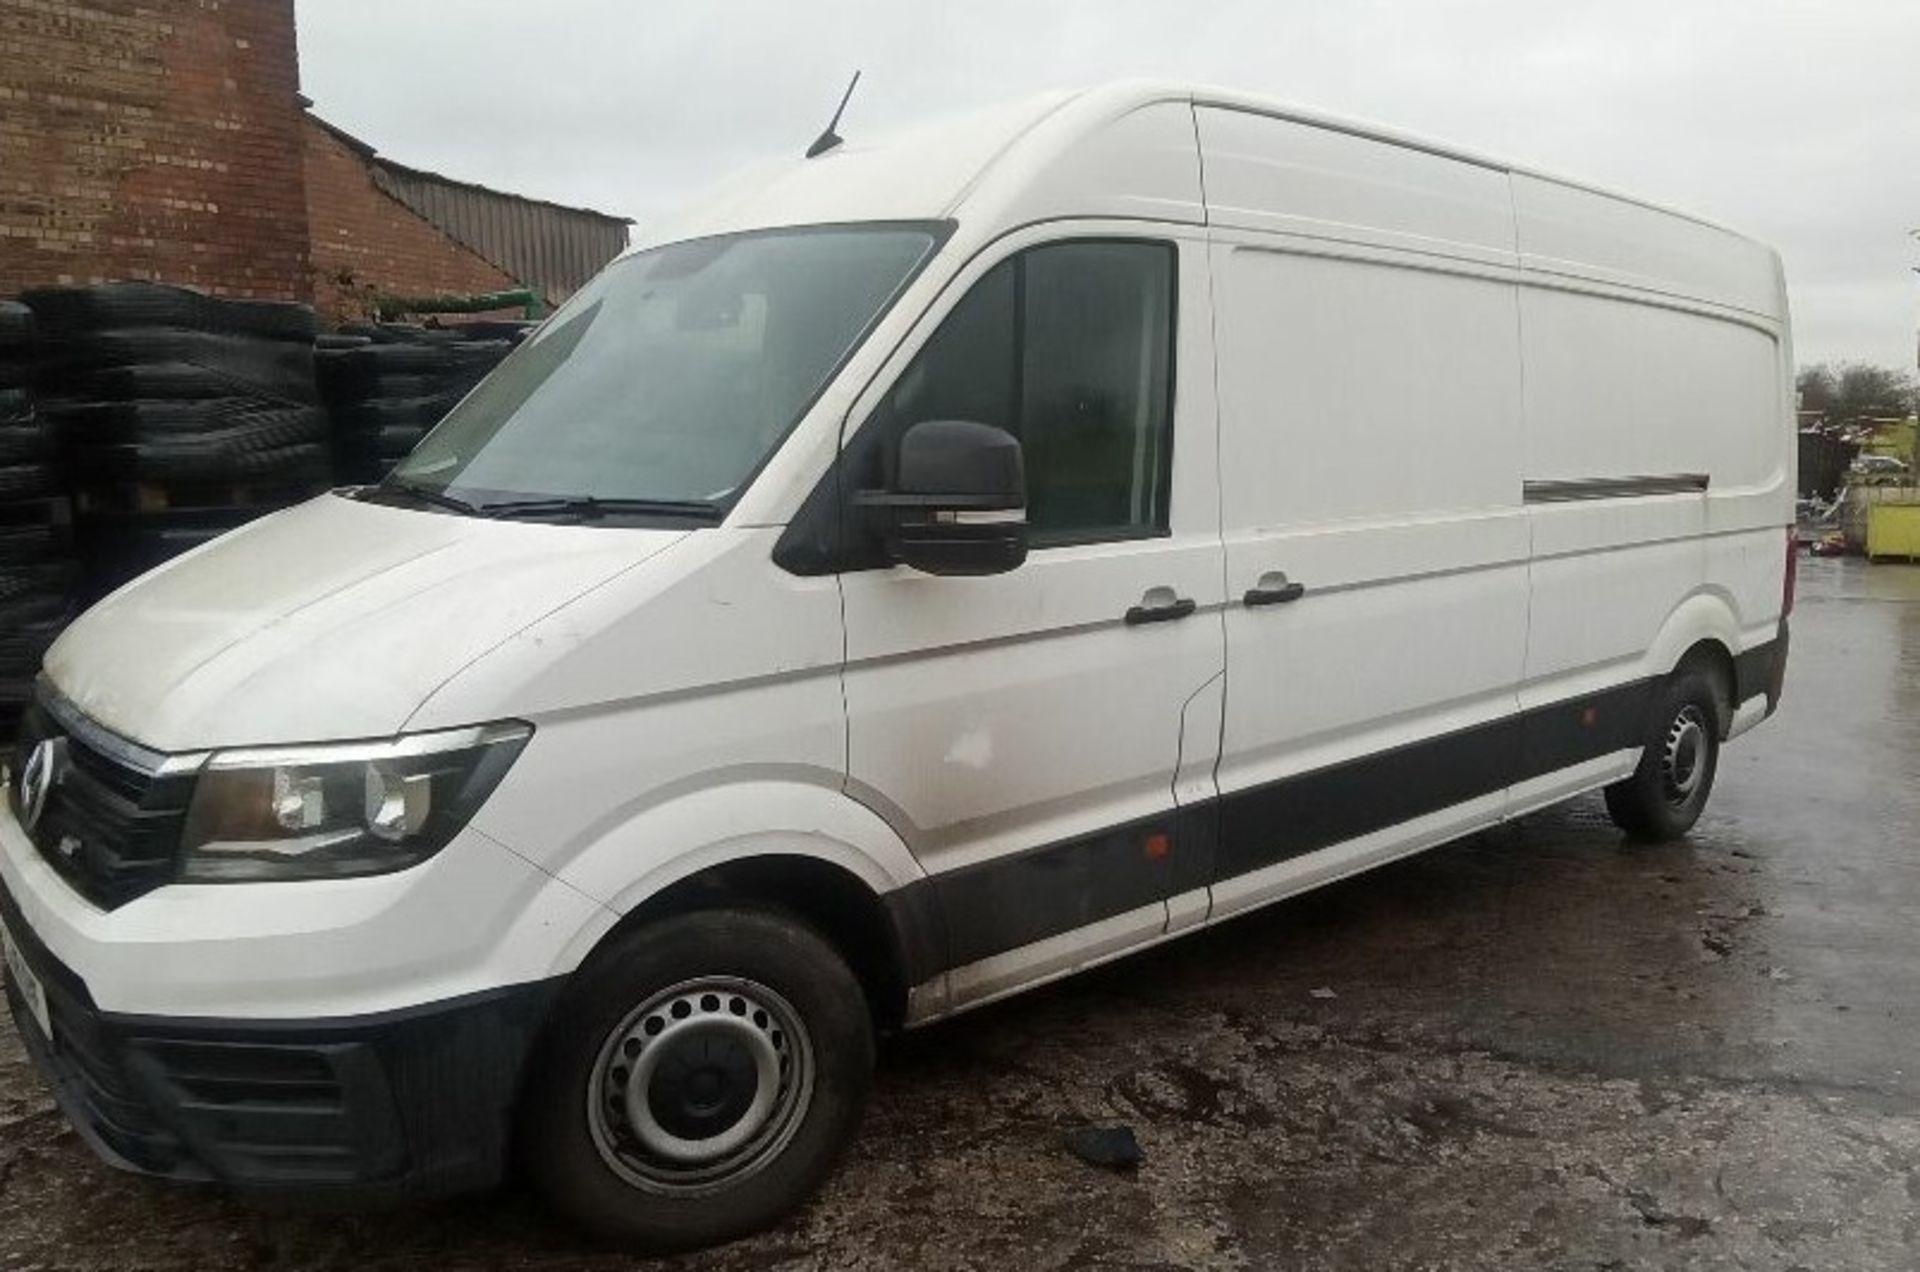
column 386, row 384
column 180, row 416
column 38, row 572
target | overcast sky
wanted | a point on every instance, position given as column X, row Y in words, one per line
column 1797, row 121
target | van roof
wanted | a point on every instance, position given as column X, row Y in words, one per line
column 924, row 171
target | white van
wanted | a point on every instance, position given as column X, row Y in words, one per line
column 925, row 572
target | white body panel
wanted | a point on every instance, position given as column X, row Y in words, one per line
column 1407, row 345
column 1583, row 238
column 330, row 620
column 474, row 918
column 1284, row 177
column 1372, row 455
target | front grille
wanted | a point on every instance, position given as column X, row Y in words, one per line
column 264, row 1113
column 87, row 1061
column 274, row 1114
column 110, row 825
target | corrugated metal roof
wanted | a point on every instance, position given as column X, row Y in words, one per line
column 547, row 246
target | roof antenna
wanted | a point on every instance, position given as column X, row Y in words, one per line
column 829, row 139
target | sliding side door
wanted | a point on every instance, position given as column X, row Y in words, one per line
column 1376, row 545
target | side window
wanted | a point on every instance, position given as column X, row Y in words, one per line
column 1069, row 347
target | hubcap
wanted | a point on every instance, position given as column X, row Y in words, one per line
column 701, row 1085
column 1683, row 761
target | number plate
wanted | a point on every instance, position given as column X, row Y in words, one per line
column 31, row 991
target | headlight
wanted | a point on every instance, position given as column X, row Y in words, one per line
column 328, row 812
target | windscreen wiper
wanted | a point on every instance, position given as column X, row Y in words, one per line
column 592, row 508
column 425, row 495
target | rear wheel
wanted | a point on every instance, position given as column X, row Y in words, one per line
column 1667, row 791
column 698, row 1080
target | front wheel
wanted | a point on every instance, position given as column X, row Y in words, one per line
column 1666, row 793
column 698, row 1079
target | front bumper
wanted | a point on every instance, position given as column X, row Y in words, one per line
column 396, row 1106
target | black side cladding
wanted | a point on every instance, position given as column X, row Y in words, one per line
column 962, row 916
column 1762, row 670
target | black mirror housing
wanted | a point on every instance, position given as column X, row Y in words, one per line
column 958, row 501
column 972, row 464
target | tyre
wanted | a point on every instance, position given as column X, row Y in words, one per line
column 23, row 443
column 250, row 366
column 452, row 385
column 67, row 311
column 14, row 696
column 64, row 311
column 16, row 329
column 30, row 544
column 45, row 578
column 23, row 648
column 397, row 441
column 1666, row 793
column 446, row 358
column 15, row 405
column 281, row 320
column 410, row 333
column 26, row 481
column 20, row 612
column 357, row 465
column 372, row 332
column 208, row 459
column 346, row 387
column 120, row 546
column 239, row 423
column 183, row 381
column 372, row 416
column 512, row 331
column 22, row 436
column 697, row 1080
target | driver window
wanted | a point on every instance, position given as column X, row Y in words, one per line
column 1069, row 347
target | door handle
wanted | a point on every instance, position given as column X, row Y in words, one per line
column 1160, row 605
column 1273, row 589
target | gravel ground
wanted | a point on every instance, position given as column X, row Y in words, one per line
column 1542, row 1047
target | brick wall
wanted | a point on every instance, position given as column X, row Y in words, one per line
column 152, row 139
column 367, row 243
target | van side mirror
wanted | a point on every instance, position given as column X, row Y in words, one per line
column 958, row 501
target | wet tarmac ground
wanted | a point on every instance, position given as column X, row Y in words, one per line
column 1543, row 1047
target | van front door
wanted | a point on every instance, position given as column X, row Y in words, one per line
column 1034, row 735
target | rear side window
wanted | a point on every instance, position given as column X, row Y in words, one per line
column 1069, row 347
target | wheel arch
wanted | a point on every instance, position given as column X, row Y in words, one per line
column 1713, row 657
column 885, row 946
column 1702, row 631
column 810, row 852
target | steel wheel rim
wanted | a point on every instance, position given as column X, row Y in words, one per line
column 700, row 1086
column 1683, row 757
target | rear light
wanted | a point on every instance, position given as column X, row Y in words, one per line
column 1792, row 578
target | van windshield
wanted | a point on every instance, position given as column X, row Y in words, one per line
column 665, row 383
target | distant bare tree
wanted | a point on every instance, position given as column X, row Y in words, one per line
column 1848, row 392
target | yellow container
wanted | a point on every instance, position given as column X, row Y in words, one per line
column 1893, row 530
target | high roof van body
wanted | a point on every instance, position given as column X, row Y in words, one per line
column 923, row 571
